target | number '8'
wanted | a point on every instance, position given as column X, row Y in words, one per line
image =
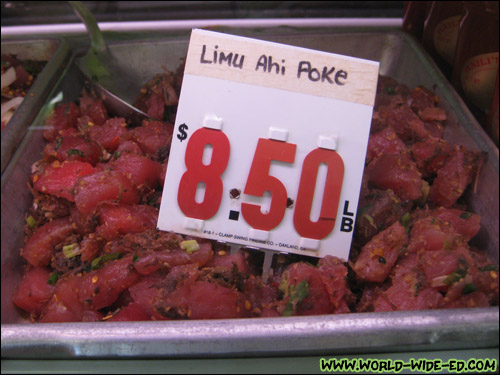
column 259, row 181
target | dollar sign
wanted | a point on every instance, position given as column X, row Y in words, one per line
column 182, row 134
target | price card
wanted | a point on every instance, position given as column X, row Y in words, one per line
column 269, row 145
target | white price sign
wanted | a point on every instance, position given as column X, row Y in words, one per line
column 269, row 145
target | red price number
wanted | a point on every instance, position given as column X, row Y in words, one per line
column 199, row 173
column 259, row 181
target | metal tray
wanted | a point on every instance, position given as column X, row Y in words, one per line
column 400, row 57
column 56, row 52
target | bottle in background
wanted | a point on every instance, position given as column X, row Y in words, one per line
column 492, row 124
column 414, row 15
column 476, row 62
column 441, row 32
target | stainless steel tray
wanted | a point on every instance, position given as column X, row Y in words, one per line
column 56, row 52
column 400, row 57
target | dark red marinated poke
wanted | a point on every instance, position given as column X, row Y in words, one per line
column 93, row 252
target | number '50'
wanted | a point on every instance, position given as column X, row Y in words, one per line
column 259, row 181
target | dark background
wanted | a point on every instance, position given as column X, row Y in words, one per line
column 50, row 12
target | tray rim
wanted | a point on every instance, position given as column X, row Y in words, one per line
column 351, row 333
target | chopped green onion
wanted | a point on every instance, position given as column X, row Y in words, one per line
column 152, row 201
column 370, row 220
column 418, row 288
column 87, row 268
column 58, row 143
column 465, row 215
column 297, row 294
column 288, row 311
column 99, row 262
column 455, row 276
column 405, row 220
column 74, row 151
column 285, row 283
column 31, row 221
column 71, row 251
column 382, row 260
column 53, row 278
column 135, row 258
column 425, row 189
column 190, row 246
column 116, row 154
column 489, row 267
column 390, row 90
column 469, row 288
column 362, row 210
